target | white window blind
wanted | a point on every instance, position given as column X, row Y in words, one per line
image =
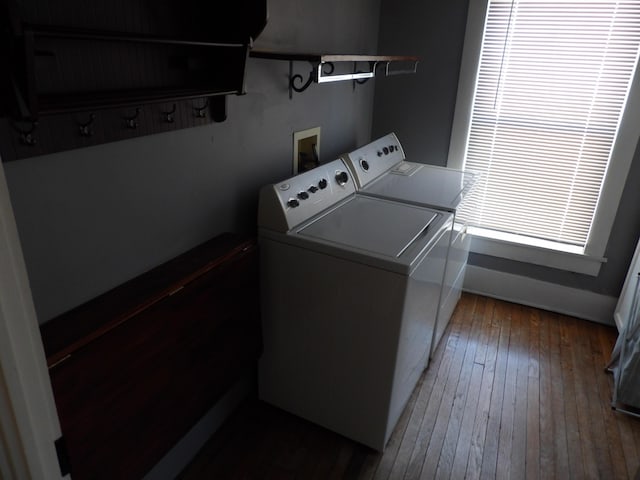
column 552, row 84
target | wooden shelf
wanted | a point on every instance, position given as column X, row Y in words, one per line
column 321, row 62
column 321, row 58
column 61, row 68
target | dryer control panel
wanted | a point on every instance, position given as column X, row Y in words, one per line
column 291, row 202
column 372, row 160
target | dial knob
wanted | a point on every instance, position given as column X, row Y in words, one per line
column 364, row 164
column 303, row 195
column 386, row 150
column 322, row 184
column 379, row 153
column 313, row 189
column 293, row 203
column 392, row 148
column 342, row 178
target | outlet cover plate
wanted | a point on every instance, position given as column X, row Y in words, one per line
column 306, row 150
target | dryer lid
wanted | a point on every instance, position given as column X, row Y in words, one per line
column 427, row 185
column 373, row 225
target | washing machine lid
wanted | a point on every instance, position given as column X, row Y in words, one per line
column 374, row 225
column 421, row 184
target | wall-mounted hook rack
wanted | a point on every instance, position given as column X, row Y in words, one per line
column 85, row 128
column 318, row 63
column 62, row 64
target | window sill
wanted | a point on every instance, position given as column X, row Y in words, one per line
column 534, row 251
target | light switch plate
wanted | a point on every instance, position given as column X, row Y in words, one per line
column 306, row 150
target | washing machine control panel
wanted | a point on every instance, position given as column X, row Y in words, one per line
column 297, row 199
column 372, row 160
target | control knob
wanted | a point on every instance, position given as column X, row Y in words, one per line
column 303, row 195
column 386, row 150
column 342, row 178
column 364, row 164
column 322, row 184
column 293, row 203
column 313, row 189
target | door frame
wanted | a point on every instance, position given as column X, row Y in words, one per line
column 28, row 419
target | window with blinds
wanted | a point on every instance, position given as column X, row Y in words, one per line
column 552, row 83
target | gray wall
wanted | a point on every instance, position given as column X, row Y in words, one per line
column 419, row 108
column 93, row 218
column 421, row 113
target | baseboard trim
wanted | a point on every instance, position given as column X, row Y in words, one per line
column 177, row 459
column 536, row 293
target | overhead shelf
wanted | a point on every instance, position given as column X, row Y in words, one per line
column 323, row 67
column 67, row 70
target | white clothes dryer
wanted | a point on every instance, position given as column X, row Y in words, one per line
column 380, row 170
column 349, row 292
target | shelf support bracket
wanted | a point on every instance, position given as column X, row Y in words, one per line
column 297, row 78
column 318, row 70
column 372, row 68
column 327, row 77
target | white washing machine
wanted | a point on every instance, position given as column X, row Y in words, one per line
column 350, row 287
column 380, row 171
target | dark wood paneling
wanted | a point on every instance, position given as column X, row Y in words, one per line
column 133, row 370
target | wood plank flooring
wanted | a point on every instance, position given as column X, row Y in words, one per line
column 512, row 392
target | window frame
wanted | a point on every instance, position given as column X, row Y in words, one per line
column 590, row 260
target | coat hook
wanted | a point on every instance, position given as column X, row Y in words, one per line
column 169, row 116
column 27, row 136
column 132, row 121
column 85, row 128
column 201, row 112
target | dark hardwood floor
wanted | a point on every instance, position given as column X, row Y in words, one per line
column 512, row 392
